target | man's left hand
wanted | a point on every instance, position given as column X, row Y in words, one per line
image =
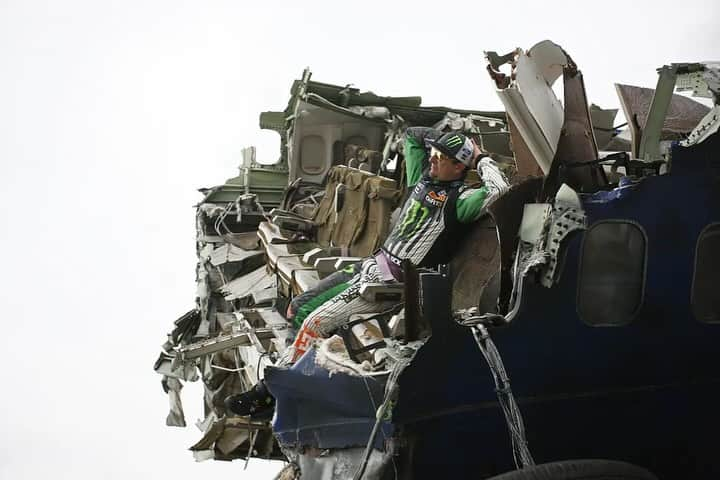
column 477, row 152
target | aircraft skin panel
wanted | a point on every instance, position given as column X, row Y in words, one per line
column 609, row 343
column 643, row 393
column 343, row 416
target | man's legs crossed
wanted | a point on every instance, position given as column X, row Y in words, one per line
column 330, row 317
column 320, row 323
column 304, row 304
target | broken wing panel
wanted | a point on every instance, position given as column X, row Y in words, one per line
column 541, row 101
column 528, row 127
column 530, row 101
column 682, row 116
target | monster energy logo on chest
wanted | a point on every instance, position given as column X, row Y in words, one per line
column 415, row 215
column 421, row 222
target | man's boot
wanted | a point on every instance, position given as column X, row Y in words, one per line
column 256, row 402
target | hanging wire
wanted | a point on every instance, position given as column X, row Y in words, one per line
column 513, row 417
column 390, row 390
column 220, row 220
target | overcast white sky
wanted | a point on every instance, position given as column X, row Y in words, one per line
column 112, row 113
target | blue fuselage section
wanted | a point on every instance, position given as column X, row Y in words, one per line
column 646, row 391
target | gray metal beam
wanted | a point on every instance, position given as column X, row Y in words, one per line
column 649, row 150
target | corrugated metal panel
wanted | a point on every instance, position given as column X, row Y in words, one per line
column 231, row 253
column 253, row 282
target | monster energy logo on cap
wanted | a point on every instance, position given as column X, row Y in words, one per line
column 454, row 141
column 455, row 145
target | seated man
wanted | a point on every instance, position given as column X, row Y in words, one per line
column 428, row 231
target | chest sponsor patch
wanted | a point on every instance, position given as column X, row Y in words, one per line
column 436, row 198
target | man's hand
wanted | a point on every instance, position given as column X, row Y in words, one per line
column 477, row 152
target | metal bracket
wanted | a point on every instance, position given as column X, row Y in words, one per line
column 649, row 150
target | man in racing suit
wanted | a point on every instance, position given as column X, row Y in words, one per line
column 428, row 231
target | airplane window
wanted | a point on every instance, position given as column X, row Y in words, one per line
column 704, row 297
column 612, row 273
column 312, row 154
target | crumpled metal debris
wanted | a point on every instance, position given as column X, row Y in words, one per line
column 542, row 231
column 566, row 218
column 176, row 417
column 341, row 464
column 529, row 99
column 333, row 356
column 705, row 128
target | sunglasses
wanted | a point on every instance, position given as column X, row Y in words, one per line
column 434, row 152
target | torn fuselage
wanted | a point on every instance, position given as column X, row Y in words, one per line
column 599, row 281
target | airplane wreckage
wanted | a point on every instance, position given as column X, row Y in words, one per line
column 591, row 285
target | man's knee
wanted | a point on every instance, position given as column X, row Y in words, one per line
column 321, row 326
column 312, row 329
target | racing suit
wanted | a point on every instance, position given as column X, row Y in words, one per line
column 429, row 228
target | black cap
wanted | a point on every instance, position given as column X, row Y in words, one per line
column 456, row 146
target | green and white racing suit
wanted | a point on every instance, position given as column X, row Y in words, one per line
column 428, row 231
